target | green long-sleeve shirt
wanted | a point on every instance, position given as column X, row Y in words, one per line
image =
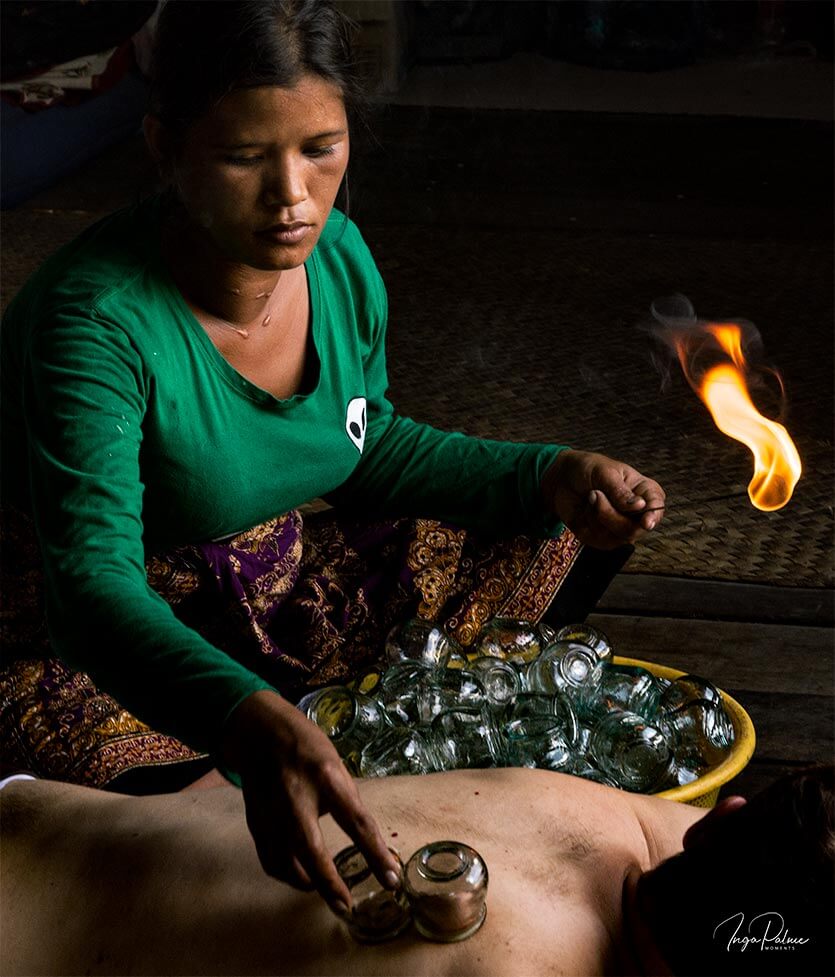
column 125, row 430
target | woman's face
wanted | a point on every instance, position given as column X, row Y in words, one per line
column 259, row 173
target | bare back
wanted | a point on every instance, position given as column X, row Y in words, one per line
column 105, row 884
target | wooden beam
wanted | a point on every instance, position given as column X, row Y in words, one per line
column 651, row 594
column 760, row 657
column 790, row 728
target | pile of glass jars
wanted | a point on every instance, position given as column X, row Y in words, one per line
column 526, row 696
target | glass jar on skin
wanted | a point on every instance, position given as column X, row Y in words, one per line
column 376, row 914
column 446, row 885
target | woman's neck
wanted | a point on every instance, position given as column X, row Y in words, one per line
column 227, row 290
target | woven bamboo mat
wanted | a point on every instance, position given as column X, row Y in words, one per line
column 534, row 337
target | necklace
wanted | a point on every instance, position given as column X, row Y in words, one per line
column 244, row 331
column 172, row 233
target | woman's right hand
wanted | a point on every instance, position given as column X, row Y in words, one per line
column 291, row 775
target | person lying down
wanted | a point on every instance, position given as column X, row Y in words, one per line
column 583, row 879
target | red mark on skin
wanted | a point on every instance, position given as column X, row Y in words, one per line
column 475, row 792
column 394, row 834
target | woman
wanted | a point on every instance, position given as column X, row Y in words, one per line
column 189, row 372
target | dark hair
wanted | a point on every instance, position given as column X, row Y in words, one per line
column 775, row 855
column 205, row 49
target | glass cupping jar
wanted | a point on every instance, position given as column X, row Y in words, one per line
column 377, row 914
column 446, row 885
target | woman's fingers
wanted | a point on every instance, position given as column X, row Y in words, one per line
column 313, row 856
column 340, row 799
column 627, row 489
column 284, row 807
column 355, row 820
column 290, row 845
column 627, row 492
column 292, row 776
column 302, row 876
column 652, row 494
column 607, row 527
column 278, row 861
column 604, row 502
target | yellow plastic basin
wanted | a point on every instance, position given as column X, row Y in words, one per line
column 704, row 791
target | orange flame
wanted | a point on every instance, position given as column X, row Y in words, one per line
column 724, row 390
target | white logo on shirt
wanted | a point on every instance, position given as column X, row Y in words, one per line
column 356, row 422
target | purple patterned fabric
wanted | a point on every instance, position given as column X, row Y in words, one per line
column 300, row 601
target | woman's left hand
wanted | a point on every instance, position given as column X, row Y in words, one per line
column 604, row 502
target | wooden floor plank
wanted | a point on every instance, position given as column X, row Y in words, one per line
column 790, row 728
column 655, row 595
column 768, row 658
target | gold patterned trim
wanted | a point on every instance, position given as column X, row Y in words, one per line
column 55, row 723
column 516, row 577
column 536, row 589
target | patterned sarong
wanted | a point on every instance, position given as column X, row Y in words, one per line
column 304, row 600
